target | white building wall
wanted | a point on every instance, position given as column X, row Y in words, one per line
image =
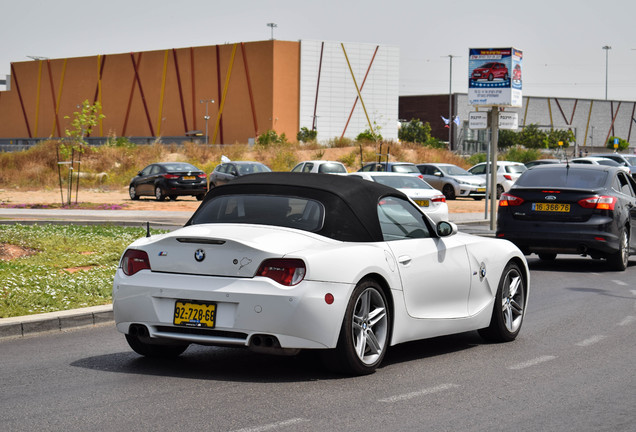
column 337, row 93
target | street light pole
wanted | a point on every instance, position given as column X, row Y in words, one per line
column 606, row 48
column 272, row 25
column 206, row 116
column 450, row 102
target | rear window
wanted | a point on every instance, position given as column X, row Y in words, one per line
column 516, row 169
column 402, row 182
column 405, row 168
column 563, row 177
column 300, row 213
column 332, row 168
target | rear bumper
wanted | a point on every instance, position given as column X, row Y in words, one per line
column 598, row 236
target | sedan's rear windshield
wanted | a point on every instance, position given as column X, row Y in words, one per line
column 332, row 168
column 401, row 182
column 562, row 177
column 301, row 213
column 405, row 168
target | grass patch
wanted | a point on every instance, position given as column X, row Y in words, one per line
column 73, row 266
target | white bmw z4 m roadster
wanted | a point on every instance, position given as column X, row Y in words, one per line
column 284, row 262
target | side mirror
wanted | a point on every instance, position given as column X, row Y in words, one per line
column 445, row 229
column 139, row 173
column 438, row 174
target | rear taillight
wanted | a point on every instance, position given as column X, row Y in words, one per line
column 170, row 176
column 439, row 198
column 598, row 202
column 508, row 177
column 508, row 200
column 203, row 175
column 134, row 260
column 286, row 272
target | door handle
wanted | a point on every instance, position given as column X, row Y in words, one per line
column 404, row 260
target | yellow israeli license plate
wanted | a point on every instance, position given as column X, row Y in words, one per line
column 194, row 314
column 481, row 189
column 422, row 203
column 551, row 207
column 188, row 177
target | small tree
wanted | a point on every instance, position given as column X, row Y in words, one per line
column 305, row 135
column 532, row 137
column 506, row 138
column 84, row 120
column 271, row 137
column 415, row 131
column 622, row 144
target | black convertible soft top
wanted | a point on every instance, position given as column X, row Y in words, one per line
column 350, row 202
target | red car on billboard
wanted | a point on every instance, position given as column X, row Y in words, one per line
column 490, row 71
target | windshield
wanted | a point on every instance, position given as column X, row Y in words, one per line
column 453, row 170
column 284, row 211
column 402, row 182
column 630, row 159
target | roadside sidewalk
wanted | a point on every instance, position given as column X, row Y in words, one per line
column 16, row 327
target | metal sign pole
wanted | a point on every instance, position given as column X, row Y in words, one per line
column 494, row 126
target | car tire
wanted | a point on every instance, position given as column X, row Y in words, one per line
column 200, row 197
column 506, row 77
column 500, row 190
column 159, row 195
column 154, row 350
column 365, row 332
column 490, row 77
column 132, row 191
column 620, row 260
column 173, row 197
column 547, row 256
column 449, row 191
column 509, row 307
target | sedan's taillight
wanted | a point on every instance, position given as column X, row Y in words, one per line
column 170, row 176
column 439, row 198
column 599, row 202
column 203, row 176
column 286, row 272
column 508, row 200
column 134, row 260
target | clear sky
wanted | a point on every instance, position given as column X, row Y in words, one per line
column 561, row 40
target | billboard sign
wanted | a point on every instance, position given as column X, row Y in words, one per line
column 494, row 77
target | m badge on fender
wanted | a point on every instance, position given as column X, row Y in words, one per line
column 199, row 255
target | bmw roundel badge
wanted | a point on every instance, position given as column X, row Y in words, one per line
column 199, row 255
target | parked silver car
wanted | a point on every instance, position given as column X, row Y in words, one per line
column 453, row 181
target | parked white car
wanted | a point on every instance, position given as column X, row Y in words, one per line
column 430, row 200
column 507, row 174
column 321, row 166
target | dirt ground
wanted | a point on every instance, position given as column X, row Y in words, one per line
column 14, row 198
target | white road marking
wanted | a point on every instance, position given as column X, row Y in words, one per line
column 424, row 392
column 274, row 426
column 590, row 341
column 532, row 362
column 619, row 282
column 627, row 320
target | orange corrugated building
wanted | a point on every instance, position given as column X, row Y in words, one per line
column 254, row 85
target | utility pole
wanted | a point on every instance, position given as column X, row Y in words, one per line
column 606, row 48
column 272, row 25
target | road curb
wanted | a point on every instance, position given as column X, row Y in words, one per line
column 28, row 325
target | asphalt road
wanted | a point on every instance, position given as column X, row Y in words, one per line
column 571, row 369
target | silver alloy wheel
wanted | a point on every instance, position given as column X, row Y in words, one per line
column 513, row 300
column 132, row 192
column 370, row 326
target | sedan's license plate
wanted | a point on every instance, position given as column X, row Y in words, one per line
column 551, row 207
column 422, row 203
column 188, row 177
column 481, row 189
column 194, row 314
